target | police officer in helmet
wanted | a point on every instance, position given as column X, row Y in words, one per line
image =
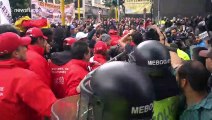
column 117, row 91
column 155, row 59
column 127, row 91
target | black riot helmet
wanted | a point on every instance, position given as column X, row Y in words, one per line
column 208, row 22
column 201, row 26
column 155, row 57
column 116, row 91
column 152, row 53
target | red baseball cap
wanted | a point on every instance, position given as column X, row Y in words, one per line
column 35, row 32
column 69, row 41
column 10, row 41
column 100, row 46
column 112, row 32
column 114, row 42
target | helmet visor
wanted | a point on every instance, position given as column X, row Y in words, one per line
column 65, row 109
column 85, row 109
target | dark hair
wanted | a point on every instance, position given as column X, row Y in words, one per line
column 173, row 28
column 53, row 26
column 208, row 22
column 6, row 56
column 79, row 49
column 8, row 28
column 33, row 40
column 196, row 56
column 103, row 31
column 98, row 32
column 90, row 28
column 22, row 34
column 47, row 31
column 59, row 36
column 196, row 73
column 137, row 38
column 67, row 47
column 152, row 34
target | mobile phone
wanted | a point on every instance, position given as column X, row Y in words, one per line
column 204, row 36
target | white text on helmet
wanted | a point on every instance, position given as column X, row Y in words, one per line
column 142, row 109
column 159, row 62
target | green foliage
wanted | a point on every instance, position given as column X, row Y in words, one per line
column 69, row 1
column 114, row 2
column 112, row 13
column 20, row 4
column 107, row 3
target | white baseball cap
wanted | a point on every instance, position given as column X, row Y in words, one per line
column 81, row 35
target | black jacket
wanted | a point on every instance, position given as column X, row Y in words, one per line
column 61, row 58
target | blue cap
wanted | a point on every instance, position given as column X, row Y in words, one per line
column 72, row 27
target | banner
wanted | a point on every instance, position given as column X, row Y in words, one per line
column 5, row 12
column 137, row 6
column 51, row 11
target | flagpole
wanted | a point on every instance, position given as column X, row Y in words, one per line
column 116, row 14
column 62, row 10
column 78, row 9
column 118, row 10
column 159, row 11
column 0, row 19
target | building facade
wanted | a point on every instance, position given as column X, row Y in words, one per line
column 95, row 7
column 88, row 8
column 182, row 8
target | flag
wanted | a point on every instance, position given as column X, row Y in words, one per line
column 18, row 23
column 23, row 23
column 5, row 12
column 35, row 23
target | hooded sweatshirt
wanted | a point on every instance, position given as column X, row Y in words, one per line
column 23, row 95
column 38, row 64
column 59, row 65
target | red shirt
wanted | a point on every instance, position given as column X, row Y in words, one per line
column 115, row 39
column 78, row 69
column 98, row 60
column 38, row 64
column 22, row 94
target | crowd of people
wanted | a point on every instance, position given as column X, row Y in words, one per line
column 136, row 68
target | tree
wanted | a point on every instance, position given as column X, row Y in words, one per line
column 69, row 1
column 112, row 13
column 121, row 2
column 111, row 5
column 107, row 3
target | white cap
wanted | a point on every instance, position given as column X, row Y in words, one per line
column 81, row 35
